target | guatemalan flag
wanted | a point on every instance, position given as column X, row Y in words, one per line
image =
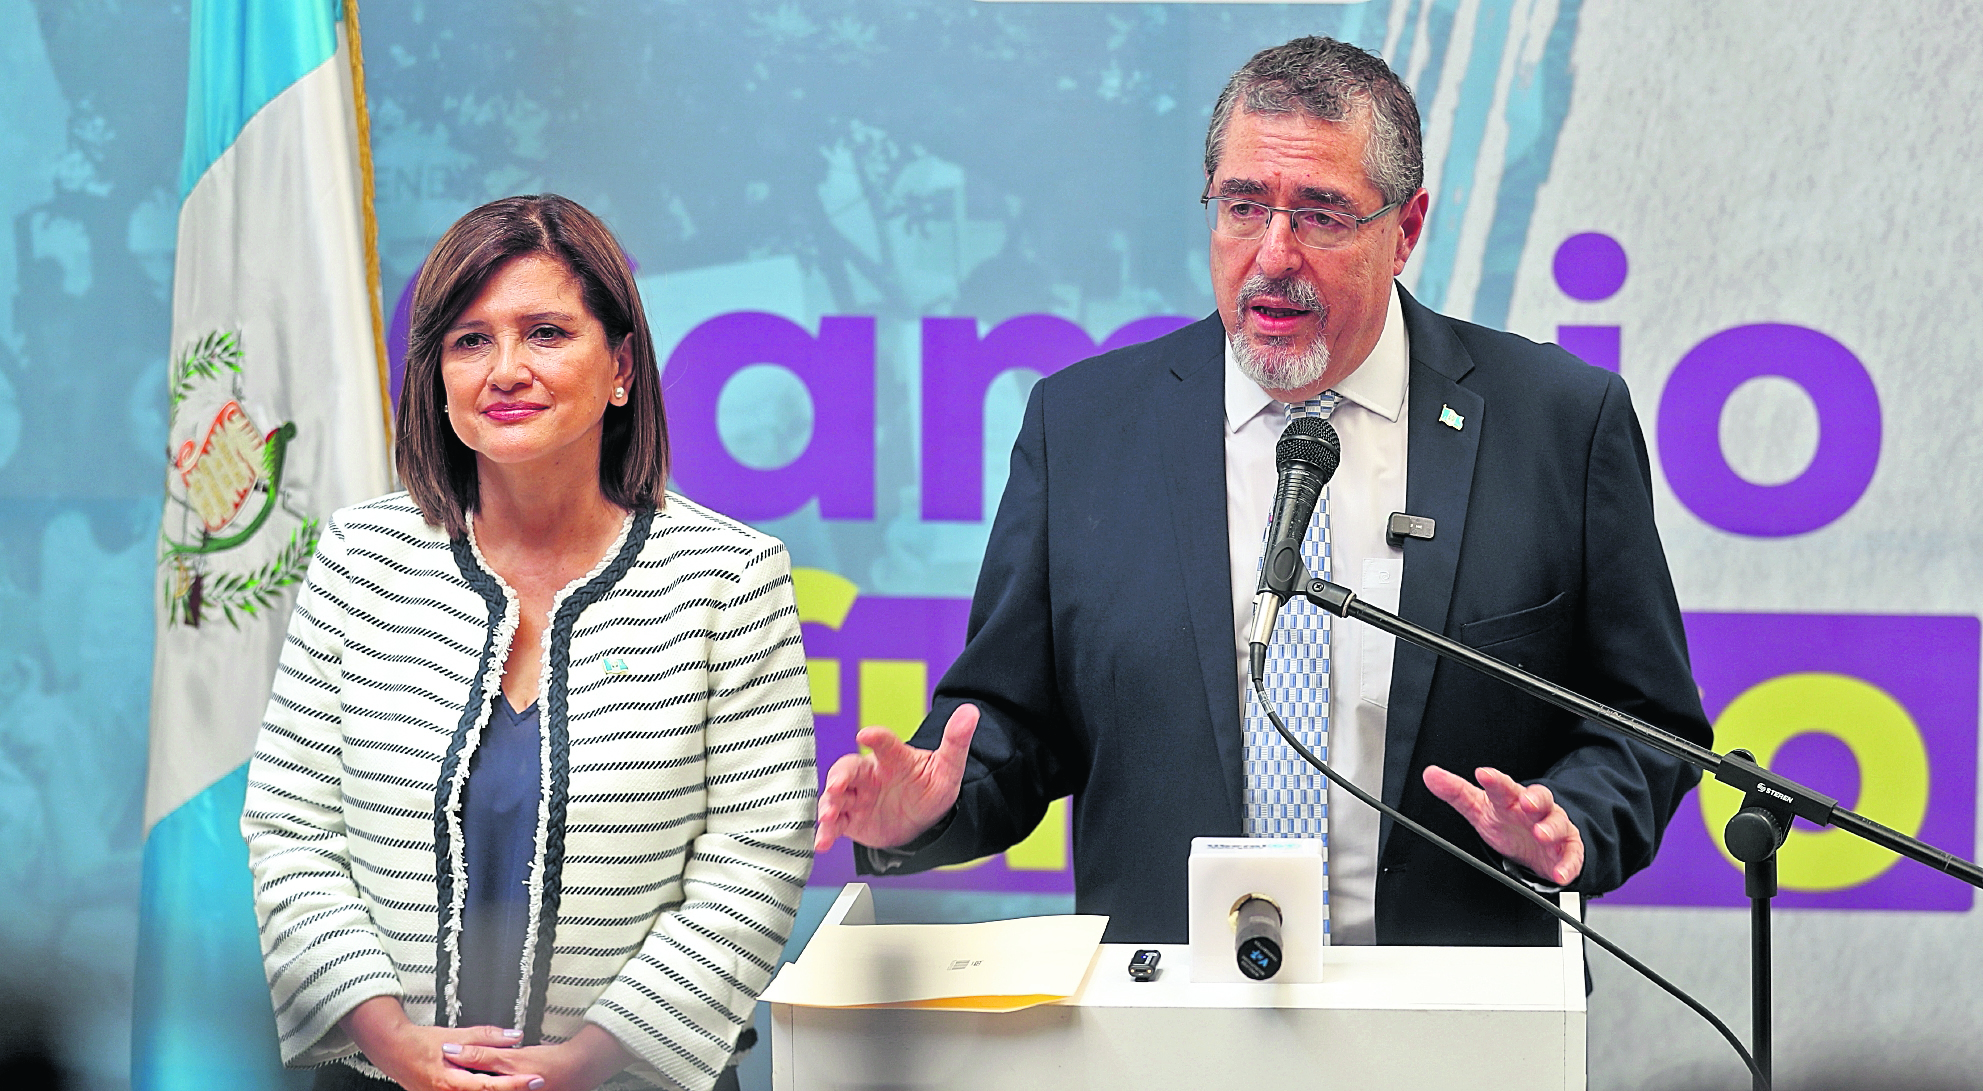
column 277, row 418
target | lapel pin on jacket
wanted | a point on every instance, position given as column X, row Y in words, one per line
column 614, row 665
column 1451, row 419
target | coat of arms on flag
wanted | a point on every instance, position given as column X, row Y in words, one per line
column 224, row 488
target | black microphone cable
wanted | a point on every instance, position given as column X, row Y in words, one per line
column 1509, row 881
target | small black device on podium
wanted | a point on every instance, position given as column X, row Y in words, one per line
column 1143, row 964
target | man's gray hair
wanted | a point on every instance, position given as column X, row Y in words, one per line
column 1330, row 81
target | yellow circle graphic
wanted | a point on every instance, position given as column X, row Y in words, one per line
column 1884, row 740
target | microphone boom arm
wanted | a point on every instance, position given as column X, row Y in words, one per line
column 1779, row 794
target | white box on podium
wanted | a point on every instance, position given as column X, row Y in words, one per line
column 1225, row 871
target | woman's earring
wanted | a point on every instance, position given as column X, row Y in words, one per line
column 619, row 394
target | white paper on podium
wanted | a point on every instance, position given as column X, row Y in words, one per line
column 994, row 966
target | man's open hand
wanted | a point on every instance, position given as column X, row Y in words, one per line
column 1521, row 822
column 892, row 792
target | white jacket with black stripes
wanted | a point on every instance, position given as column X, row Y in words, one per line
column 675, row 824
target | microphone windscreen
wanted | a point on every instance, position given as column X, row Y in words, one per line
column 1311, row 440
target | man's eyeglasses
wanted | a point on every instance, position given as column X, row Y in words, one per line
column 1315, row 228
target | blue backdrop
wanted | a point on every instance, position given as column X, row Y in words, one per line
column 852, row 218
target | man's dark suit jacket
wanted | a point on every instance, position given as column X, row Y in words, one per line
column 1101, row 635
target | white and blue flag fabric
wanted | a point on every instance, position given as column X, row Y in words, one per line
column 276, row 418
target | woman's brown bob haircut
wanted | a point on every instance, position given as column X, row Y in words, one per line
column 436, row 467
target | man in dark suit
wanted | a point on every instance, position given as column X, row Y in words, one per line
column 1108, row 625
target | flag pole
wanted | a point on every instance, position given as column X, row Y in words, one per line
column 355, row 49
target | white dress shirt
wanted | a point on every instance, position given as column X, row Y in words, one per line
column 1368, row 487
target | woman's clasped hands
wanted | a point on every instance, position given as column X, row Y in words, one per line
column 421, row 1058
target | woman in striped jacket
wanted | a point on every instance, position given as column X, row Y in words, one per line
column 531, row 806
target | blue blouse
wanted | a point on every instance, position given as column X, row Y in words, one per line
column 499, row 834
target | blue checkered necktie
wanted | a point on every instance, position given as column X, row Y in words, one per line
column 1284, row 797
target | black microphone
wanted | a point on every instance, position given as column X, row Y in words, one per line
column 1306, row 458
column 1257, row 937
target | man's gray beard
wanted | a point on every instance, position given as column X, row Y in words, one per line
column 1275, row 366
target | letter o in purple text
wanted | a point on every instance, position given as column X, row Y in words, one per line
column 1848, row 430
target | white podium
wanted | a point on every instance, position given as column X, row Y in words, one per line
column 1483, row 1018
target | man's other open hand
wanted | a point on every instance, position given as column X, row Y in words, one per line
column 1522, row 822
column 888, row 794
